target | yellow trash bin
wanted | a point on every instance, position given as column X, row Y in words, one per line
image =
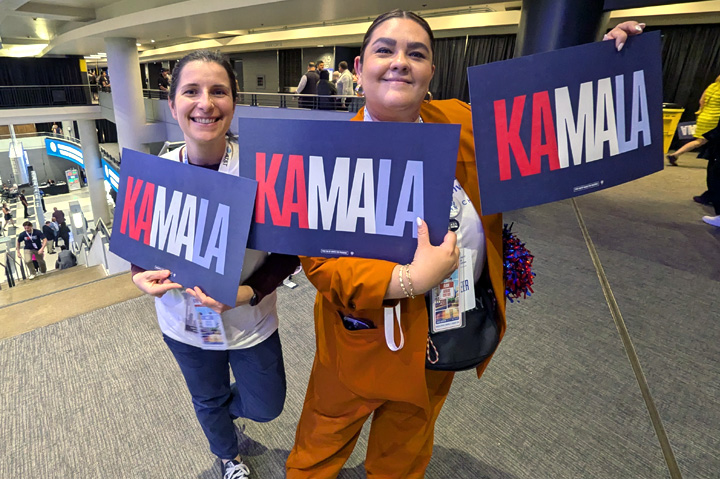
column 671, row 118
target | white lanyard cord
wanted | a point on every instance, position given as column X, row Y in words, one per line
column 390, row 315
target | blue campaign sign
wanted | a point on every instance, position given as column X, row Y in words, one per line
column 348, row 188
column 686, row 130
column 564, row 123
column 187, row 219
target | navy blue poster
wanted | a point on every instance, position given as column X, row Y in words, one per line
column 564, row 123
column 347, row 188
column 189, row 220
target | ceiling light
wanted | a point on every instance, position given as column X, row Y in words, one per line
column 137, row 44
column 152, row 41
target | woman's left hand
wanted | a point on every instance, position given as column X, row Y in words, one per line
column 207, row 301
column 621, row 32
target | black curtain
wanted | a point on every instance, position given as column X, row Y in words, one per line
column 36, row 75
column 291, row 68
column 485, row 49
column 691, row 62
column 106, row 131
column 449, row 68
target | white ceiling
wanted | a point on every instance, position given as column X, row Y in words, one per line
column 62, row 27
column 78, row 26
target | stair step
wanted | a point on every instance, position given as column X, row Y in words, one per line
column 51, row 282
column 51, row 308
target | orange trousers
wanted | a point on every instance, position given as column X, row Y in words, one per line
column 401, row 434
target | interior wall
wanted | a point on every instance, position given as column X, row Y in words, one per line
column 256, row 64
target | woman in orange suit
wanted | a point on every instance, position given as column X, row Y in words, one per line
column 363, row 372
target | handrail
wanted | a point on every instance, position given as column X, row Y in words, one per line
column 45, row 86
column 38, row 134
column 8, row 271
column 103, row 152
column 100, row 225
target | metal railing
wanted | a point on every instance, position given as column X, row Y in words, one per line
column 31, row 96
column 286, row 100
column 11, row 267
column 37, row 96
column 88, row 240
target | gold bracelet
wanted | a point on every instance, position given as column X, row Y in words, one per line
column 402, row 285
column 409, row 280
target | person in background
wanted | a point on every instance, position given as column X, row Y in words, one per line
column 345, row 83
column 356, row 373
column 325, row 90
column 59, row 215
column 104, row 82
column 49, row 233
column 308, row 86
column 335, row 77
column 24, row 202
column 63, row 232
column 320, row 66
column 163, row 83
column 707, row 118
column 56, row 231
column 711, row 152
column 33, row 242
column 202, row 99
column 65, row 259
column 7, row 214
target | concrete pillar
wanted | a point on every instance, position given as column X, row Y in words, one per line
column 547, row 25
column 128, row 106
column 67, row 128
column 93, row 170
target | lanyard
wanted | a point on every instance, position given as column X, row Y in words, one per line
column 225, row 161
column 390, row 315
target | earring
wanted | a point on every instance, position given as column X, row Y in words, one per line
column 428, row 97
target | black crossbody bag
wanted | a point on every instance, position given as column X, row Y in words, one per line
column 467, row 347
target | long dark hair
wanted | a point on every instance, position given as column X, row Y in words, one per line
column 397, row 13
column 204, row 56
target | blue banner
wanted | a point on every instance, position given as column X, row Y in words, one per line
column 564, row 123
column 65, row 150
column 187, row 219
column 111, row 175
column 334, row 189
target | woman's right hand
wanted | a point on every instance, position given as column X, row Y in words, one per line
column 154, row 282
column 432, row 264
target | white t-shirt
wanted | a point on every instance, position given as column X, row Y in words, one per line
column 245, row 325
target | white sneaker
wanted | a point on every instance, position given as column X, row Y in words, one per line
column 32, row 276
column 235, row 470
column 712, row 220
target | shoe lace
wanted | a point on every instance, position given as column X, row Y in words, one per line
column 236, row 470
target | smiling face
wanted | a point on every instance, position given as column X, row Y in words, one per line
column 396, row 70
column 203, row 105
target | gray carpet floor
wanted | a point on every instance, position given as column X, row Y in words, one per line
column 100, row 395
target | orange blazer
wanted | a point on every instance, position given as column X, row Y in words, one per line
column 356, row 286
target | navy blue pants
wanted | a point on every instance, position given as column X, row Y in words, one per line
column 258, row 392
